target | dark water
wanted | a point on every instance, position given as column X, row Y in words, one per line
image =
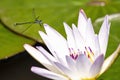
column 18, row 68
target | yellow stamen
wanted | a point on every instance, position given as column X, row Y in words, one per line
column 90, row 55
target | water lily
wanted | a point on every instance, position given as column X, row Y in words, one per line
column 79, row 56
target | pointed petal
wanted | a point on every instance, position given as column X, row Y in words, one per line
column 83, row 65
column 48, row 44
column 58, row 43
column 39, row 57
column 68, row 72
column 96, row 66
column 71, row 63
column 36, row 54
column 90, row 35
column 97, row 51
column 70, row 37
column 58, row 49
column 52, row 32
column 82, row 22
column 48, row 74
column 49, row 57
column 78, row 38
column 109, row 61
column 89, row 30
column 103, row 35
column 45, row 53
column 63, row 68
column 52, row 47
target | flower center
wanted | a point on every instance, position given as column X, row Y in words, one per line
column 74, row 54
column 89, row 53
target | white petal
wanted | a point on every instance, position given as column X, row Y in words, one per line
column 70, row 37
column 71, row 63
column 109, row 61
column 39, row 57
column 57, row 42
column 52, row 48
column 82, row 22
column 97, row 51
column 48, row 74
column 49, row 57
column 90, row 36
column 103, row 35
column 96, row 66
column 70, row 73
column 78, row 39
column 89, row 29
column 48, row 44
column 52, row 32
column 45, row 53
column 83, row 65
column 36, row 54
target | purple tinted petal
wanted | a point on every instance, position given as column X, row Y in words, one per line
column 71, row 63
column 36, row 54
column 66, row 70
column 47, row 74
column 49, row 57
column 96, row 66
column 63, row 68
column 83, row 64
column 103, row 35
column 109, row 61
column 97, row 51
column 45, row 53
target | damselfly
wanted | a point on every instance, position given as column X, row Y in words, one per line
column 35, row 21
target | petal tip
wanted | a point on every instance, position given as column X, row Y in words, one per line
column 45, row 25
column 64, row 23
column 26, row 46
column 33, row 68
column 83, row 13
column 81, row 10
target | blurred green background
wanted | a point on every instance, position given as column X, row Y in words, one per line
column 54, row 13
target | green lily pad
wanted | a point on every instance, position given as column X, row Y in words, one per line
column 10, row 43
column 53, row 14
